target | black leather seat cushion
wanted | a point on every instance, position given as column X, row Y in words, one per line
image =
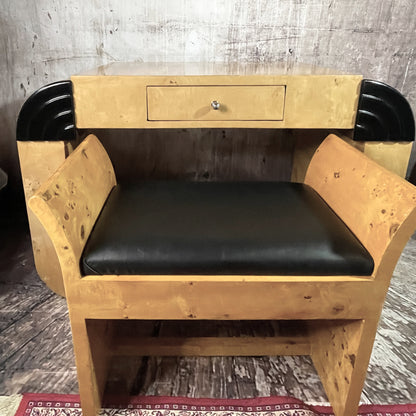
column 248, row 228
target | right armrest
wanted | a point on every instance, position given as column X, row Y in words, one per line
column 378, row 206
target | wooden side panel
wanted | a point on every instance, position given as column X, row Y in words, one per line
column 69, row 203
column 38, row 161
column 373, row 202
column 391, row 155
column 380, row 208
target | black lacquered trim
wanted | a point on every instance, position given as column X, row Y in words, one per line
column 383, row 114
column 48, row 114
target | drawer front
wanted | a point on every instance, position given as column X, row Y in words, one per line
column 220, row 102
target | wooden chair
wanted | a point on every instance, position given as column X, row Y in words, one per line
column 341, row 312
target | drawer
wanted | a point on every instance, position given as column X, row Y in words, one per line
column 237, row 102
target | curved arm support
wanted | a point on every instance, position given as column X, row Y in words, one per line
column 69, row 202
column 377, row 205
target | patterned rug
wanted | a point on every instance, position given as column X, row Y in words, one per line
column 68, row 405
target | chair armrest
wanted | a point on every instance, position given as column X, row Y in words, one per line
column 69, row 202
column 378, row 206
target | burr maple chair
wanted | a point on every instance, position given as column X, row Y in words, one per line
column 338, row 297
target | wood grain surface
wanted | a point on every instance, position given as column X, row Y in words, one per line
column 38, row 160
column 310, row 101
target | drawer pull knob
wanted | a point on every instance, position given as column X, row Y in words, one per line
column 215, row 105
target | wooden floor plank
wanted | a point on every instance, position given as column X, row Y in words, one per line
column 19, row 337
column 15, row 302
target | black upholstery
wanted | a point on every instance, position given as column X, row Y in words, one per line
column 248, row 228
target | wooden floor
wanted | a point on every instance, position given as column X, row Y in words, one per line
column 36, row 350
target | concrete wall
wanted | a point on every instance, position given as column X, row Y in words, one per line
column 44, row 41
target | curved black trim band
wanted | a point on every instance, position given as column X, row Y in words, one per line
column 48, row 114
column 383, row 114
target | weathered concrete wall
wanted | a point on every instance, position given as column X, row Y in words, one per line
column 48, row 40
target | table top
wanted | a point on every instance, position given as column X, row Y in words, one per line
column 207, row 69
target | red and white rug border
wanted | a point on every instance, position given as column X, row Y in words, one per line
column 259, row 404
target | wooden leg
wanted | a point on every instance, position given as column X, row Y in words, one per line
column 341, row 352
column 100, row 337
column 92, row 359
